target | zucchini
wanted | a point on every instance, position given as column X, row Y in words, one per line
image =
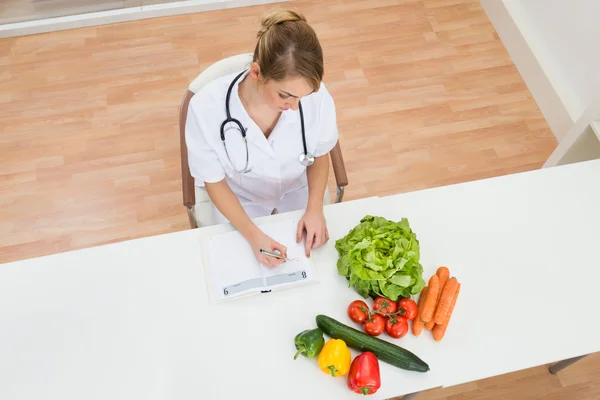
column 385, row 351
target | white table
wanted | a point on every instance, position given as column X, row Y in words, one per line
column 525, row 249
column 132, row 319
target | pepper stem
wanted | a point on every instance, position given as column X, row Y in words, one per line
column 300, row 351
column 333, row 370
column 365, row 390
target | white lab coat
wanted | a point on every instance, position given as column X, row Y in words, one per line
column 277, row 180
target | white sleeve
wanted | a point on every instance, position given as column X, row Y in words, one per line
column 202, row 158
column 328, row 130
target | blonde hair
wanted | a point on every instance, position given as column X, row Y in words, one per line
column 288, row 47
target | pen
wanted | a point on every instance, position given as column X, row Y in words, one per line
column 268, row 253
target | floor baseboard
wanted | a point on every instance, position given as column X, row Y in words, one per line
column 123, row 15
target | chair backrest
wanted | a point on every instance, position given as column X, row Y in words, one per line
column 221, row 68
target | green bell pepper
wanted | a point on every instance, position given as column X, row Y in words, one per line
column 309, row 343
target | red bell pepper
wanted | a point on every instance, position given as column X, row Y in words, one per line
column 364, row 374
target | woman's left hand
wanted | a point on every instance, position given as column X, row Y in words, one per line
column 314, row 223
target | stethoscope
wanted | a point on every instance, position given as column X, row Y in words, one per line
column 305, row 158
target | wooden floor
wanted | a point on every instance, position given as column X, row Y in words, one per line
column 426, row 96
column 581, row 381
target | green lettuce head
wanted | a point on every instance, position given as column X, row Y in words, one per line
column 381, row 258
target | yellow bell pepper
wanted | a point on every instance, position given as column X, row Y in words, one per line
column 335, row 358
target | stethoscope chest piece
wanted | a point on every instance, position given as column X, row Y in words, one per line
column 306, row 159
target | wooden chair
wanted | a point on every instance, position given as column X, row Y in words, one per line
column 195, row 199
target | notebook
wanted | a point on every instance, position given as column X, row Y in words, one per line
column 234, row 271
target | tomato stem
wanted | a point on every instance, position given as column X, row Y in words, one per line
column 401, row 312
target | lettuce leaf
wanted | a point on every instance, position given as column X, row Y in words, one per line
column 380, row 257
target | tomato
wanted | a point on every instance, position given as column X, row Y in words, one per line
column 384, row 305
column 410, row 308
column 375, row 325
column 358, row 311
column 396, row 326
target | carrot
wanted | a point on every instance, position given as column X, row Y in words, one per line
column 430, row 300
column 446, row 298
column 440, row 330
column 429, row 326
column 417, row 325
column 444, row 274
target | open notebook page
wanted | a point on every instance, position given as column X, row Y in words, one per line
column 235, row 271
column 234, row 268
column 292, row 272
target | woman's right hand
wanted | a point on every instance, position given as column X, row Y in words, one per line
column 262, row 241
column 229, row 205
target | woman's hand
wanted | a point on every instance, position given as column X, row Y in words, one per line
column 261, row 241
column 314, row 223
column 227, row 202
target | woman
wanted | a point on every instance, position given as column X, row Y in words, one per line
column 264, row 174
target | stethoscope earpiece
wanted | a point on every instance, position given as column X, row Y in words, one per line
column 305, row 158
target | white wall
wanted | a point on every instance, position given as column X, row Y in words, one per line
column 565, row 36
column 555, row 45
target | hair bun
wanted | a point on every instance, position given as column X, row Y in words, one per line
column 278, row 17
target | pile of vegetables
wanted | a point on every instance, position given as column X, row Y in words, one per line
column 381, row 258
column 334, row 357
column 433, row 311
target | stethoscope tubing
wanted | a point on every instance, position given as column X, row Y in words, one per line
column 305, row 158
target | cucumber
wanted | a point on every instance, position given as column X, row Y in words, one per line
column 385, row 351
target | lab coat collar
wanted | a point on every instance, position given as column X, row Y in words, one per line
column 253, row 132
column 261, row 141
